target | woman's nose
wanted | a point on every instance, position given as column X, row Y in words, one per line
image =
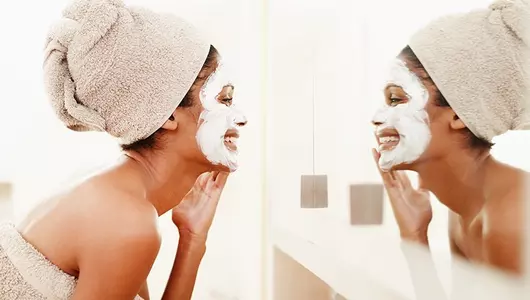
column 241, row 121
column 379, row 118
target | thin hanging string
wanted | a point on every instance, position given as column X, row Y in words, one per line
column 313, row 120
column 314, row 104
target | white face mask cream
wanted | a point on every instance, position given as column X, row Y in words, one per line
column 403, row 128
column 218, row 133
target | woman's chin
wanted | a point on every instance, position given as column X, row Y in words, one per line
column 223, row 168
column 389, row 167
column 403, row 167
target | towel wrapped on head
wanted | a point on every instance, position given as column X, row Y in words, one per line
column 120, row 69
column 480, row 62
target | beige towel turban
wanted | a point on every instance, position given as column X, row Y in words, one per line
column 120, row 69
column 480, row 62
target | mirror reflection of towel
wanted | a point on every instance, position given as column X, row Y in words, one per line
column 480, row 62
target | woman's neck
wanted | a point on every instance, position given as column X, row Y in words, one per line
column 165, row 181
column 460, row 181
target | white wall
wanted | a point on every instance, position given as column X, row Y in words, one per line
column 39, row 155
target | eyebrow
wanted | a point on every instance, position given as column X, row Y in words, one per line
column 391, row 85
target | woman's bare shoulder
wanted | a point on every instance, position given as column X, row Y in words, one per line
column 110, row 214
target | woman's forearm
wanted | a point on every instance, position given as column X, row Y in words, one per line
column 185, row 267
column 424, row 277
column 416, row 237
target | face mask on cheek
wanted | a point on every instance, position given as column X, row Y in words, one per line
column 217, row 135
column 409, row 120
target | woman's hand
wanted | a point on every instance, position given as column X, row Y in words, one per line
column 412, row 207
column 194, row 215
column 193, row 218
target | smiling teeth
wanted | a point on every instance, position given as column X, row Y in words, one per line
column 230, row 139
column 388, row 139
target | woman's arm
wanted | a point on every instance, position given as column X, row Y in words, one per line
column 193, row 218
column 423, row 272
column 185, row 267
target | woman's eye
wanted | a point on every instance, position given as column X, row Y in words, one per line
column 395, row 100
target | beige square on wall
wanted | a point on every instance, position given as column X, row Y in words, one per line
column 314, row 191
column 366, row 204
column 6, row 191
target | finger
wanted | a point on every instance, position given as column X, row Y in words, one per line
column 421, row 184
column 214, row 189
column 216, row 181
column 210, row 182
column 393, row 175
column 388, row 177
column 217, row 187
column 403, row 179
column 203, row 179
column 214, row 175
column 221, row 179
column 376, row 156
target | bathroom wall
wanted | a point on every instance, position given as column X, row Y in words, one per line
column 40, row 156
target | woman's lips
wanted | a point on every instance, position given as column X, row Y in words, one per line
column 387, row 139
column 230, row 139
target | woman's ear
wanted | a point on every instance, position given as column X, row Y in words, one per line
column 456, row 123
column 171, row 123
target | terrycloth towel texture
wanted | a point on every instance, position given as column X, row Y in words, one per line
column 25, row 274
column 119, row 69
column 480, row 62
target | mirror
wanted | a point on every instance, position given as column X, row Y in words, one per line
column 328, row 64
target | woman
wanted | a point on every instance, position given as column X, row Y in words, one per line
column 151, row 81
column 460, row 83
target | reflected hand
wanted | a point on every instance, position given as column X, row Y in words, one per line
column 194, row 215
column 412, row 207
